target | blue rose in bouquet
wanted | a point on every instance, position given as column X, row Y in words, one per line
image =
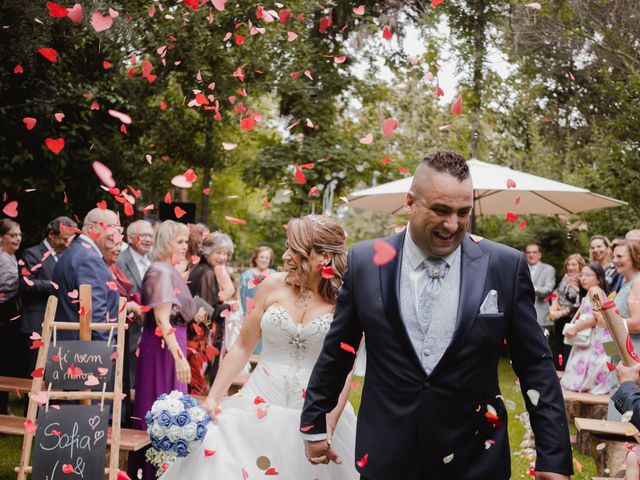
column 176, row 425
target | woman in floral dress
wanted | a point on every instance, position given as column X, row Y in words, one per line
column 586, row 369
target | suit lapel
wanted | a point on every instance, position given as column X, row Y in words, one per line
column 133, row 269
column 49, row 263
column 390, row 288
column 473, row 275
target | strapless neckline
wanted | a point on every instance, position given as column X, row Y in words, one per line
column 287, row 315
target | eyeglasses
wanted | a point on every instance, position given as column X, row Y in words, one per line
column 145, row 235
column 14, row 235
column 111, row 228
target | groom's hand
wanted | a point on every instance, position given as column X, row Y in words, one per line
column 551, row 476
column 320, row 452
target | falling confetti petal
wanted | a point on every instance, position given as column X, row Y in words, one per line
column 347, row 348
column 447, row 459
column 11, row 209
column 104, row 174
column 367, row 139
column 49, row 53
column 123, row 117
column 456, row 106
column 236, row 221
column 101, row 23
column 54, row 144
column 534, row 396
column 626, row 416
column 389, row 126
column 384, row 252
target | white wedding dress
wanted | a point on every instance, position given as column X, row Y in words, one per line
column 257, row 432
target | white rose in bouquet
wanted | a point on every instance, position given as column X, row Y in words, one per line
column 193, row 446
column 189, row 432
column 173, row 406
column 156, row 408
column 197, row 413
column 157, row 430
column 175, row 433
column 175, row 395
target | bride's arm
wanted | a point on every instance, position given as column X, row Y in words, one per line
column 334, row 415
column 241, row 351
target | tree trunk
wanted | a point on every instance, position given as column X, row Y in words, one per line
column 479, row 54
column 206, row 174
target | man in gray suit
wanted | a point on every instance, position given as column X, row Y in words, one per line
column 134, row 262
column 543, row 277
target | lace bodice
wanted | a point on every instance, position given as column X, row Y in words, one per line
column 289, row 352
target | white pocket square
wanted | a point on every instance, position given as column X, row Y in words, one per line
column 490, row 303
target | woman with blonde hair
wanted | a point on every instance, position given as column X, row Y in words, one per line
column 162, row 359
column 256, row 431
column 564, row 305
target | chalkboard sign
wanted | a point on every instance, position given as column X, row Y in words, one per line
column 71, row 442
column 78, row 365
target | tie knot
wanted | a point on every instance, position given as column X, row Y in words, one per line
column 436, row 268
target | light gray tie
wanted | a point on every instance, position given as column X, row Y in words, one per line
column 435, row 271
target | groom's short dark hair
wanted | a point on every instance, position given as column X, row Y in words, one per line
column 449, row 162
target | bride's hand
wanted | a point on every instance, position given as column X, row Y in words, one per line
column 210, row 405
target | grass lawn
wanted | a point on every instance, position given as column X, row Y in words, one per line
column 10, row 446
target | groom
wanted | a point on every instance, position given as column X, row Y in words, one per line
column 435, row 318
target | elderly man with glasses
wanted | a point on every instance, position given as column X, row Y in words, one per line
column 83, row 263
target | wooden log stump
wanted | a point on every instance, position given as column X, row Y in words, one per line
column 585, row 405
column 606, row 442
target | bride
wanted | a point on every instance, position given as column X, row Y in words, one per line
column 256, row 431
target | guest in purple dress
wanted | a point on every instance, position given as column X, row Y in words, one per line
column 162, row 360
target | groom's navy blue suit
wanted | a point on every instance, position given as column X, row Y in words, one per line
column 409, row 422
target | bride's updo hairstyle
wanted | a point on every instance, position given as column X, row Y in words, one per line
column 324, row 235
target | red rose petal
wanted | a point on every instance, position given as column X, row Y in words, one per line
column 49, row 53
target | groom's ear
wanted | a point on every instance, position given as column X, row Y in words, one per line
column 409, row 199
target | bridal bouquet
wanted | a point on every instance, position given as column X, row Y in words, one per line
column 176, row 425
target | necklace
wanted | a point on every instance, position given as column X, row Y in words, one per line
column 305, row 297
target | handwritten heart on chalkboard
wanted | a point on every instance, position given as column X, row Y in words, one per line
column 98, row 435
column 94, row 422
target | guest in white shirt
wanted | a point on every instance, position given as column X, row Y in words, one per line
column 134, row 262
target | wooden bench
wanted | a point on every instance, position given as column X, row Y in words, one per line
column 585, row 405
column 15, row 384
column 606, row 442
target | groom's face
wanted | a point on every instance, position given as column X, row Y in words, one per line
column 440, row 207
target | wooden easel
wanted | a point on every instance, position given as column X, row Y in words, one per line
column 86, row 327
